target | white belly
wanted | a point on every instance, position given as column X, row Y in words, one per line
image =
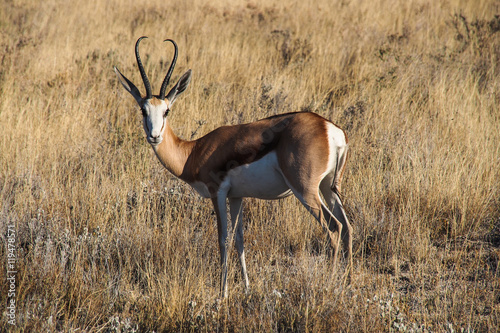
column 261, row 179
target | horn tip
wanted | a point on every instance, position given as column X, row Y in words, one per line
column 170, row 40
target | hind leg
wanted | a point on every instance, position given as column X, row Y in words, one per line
column 310, row 198
column 335, row 205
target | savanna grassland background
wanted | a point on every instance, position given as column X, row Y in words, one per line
column 107, row 241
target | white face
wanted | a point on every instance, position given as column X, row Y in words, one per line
column 155, row 110
column 154, row 113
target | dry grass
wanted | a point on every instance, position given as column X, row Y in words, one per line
column 109, row 242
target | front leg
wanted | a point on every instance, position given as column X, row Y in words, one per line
column 236, row 219
column 219, row 202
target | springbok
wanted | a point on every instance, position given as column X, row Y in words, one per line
column 300, row 153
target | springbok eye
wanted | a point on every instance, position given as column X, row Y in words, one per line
column 166, row 113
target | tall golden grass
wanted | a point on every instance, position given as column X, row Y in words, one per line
column 107, row 241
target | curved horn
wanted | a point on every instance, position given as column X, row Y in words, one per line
column 147, row 85
column 170, row 70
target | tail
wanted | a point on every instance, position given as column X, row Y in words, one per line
column 339, row 169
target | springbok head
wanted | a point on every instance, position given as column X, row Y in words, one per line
column 155, row 108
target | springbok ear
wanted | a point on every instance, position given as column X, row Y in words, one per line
column 179, row 88
column 129, row 86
